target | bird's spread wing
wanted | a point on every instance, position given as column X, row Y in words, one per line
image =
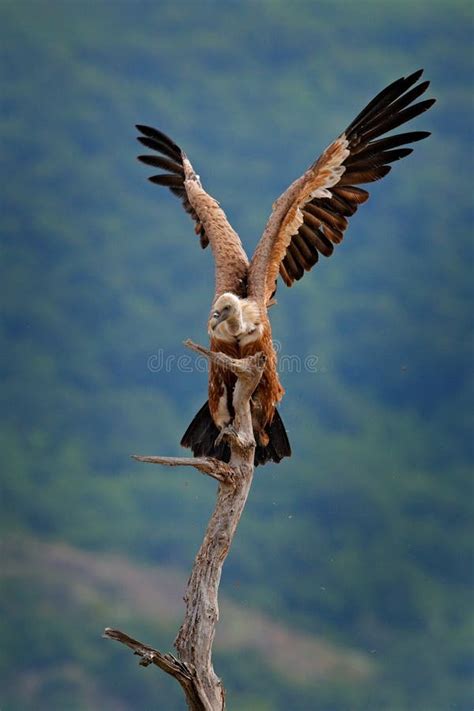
column 311, row 216
column 231, row 262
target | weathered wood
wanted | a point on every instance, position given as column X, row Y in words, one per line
column 193, row 668
column 207, row 465
column 168, row 663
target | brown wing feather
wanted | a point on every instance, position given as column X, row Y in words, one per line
column 311, row 216
column 211, row 224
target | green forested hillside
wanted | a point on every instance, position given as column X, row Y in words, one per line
column 362, row 541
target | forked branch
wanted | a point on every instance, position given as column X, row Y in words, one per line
column 193, row 668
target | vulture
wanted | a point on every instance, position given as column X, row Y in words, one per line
column 306, row 222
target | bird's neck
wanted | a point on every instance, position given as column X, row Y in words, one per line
column 235, row 323
column 252, row 327
column 228, row 331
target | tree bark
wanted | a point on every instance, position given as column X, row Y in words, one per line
column 193, row 667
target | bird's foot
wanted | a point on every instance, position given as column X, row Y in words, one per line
column 231, row 435
column 227, row 433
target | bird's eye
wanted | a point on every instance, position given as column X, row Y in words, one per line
column 215, row 314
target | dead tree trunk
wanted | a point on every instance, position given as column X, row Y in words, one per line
column 193, row 668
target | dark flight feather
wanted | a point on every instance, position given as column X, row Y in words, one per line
column 163, row 163
column 360, row 162
column 318, row 240
column 168, row 180
column 369, row 159
column 161, row 137
column 315, row 212
column 298, row 264
column 157, row 146
column 384, row 98
column 370, row 175
column 169, row 158
column 304, row 248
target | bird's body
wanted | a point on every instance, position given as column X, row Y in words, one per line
column 306, row 222
column 244, row 331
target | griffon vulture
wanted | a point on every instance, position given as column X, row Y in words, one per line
column 307, row 221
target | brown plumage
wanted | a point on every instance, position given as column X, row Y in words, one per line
column 307, row 221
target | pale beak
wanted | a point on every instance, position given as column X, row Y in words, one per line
column 217, row 318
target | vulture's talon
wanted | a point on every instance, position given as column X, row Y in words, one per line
column 227, row 433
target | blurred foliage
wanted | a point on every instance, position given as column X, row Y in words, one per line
column 364, row 537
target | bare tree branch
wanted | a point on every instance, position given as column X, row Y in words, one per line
column 193, row 668
column 148, row 655
column 239, row 366
column 168, row 663
column 207, row 465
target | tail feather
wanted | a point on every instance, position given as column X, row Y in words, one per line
column 202, row 433
column 278, row 447
column 201, row 436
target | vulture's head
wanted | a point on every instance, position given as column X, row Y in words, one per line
column 225, row 321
